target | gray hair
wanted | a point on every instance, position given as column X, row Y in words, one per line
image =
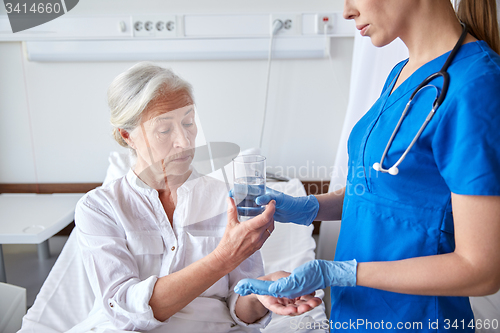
column 130, row 93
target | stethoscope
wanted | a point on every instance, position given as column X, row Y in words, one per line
column 437, row 102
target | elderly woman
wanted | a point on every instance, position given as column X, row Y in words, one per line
column 159, row 249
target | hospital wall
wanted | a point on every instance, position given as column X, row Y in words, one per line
column 54, row 124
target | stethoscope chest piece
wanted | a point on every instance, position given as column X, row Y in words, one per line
column 392, row 170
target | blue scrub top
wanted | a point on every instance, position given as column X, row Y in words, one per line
column 409, row 215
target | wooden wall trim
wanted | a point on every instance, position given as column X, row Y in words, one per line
column 48, row 188
column 316, row 187
column 311, row 187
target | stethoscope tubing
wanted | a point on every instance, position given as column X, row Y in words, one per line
column 394, row 169
column 440, row 96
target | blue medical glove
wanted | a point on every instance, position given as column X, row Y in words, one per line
column 298, row 210
column 305, row 279
column 246, row 287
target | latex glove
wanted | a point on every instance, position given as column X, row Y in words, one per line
column 285, row 306
column 305, row 279
column 298, row 210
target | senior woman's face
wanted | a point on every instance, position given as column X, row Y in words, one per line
column 164, row 142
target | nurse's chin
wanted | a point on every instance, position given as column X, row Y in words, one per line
column 379, row 42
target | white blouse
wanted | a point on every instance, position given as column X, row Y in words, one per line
column 127, row 242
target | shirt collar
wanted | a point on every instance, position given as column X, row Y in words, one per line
column 144, row 188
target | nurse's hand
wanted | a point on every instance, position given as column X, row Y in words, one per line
column 298, row 210
column 285, row 306
column 305, row 279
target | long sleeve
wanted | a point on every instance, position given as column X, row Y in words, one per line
column 253, row 267
column 113, row 270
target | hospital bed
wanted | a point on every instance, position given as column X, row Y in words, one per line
column 66, row 297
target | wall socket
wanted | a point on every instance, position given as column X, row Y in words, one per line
column 325, row 19
column 156, row 26
column 291, row 24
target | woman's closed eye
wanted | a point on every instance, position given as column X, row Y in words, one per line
column 168, row 130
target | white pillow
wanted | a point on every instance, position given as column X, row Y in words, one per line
column 119, row 165
column 290, row 245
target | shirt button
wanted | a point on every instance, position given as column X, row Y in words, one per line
column 111, row 304
column 173, row 248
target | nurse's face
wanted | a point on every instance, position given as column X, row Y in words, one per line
column 164, row 142
column 381, row 20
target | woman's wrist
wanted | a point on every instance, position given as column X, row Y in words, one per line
column 221, row 261
column 250, row 309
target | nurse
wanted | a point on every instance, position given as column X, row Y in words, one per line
column 413, row 246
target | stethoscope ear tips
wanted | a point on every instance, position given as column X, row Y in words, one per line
column 394, row 171
column 376, row 166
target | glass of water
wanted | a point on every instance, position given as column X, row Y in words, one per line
column 249, row 173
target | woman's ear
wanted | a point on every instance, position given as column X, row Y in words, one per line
column 126, row 136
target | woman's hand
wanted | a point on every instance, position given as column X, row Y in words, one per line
column 252, row 307
column 290, row 307
column 286, row 306
column 242, row 239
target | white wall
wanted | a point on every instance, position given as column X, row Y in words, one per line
column 66, row 102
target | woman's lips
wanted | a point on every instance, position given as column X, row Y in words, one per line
column 182, row 159
column 362, row 29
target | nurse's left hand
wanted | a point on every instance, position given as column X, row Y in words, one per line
column 304, row 280
column 298, row 210
column 285, row 306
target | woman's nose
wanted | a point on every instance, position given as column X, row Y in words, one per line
column 181, row 138
column 350, row 12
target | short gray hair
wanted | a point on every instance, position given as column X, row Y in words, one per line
column 130, row 93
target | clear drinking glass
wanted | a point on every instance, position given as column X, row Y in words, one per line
column 249, row 173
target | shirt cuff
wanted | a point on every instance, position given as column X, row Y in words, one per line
column 261, row 323
column 135, row 305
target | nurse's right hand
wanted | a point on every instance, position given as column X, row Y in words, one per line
column 305, row 279
column 242, row 239
column 298, row 210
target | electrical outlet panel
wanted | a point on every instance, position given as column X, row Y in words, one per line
column 291, row 24
column 325, row 20
column 154, row 26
